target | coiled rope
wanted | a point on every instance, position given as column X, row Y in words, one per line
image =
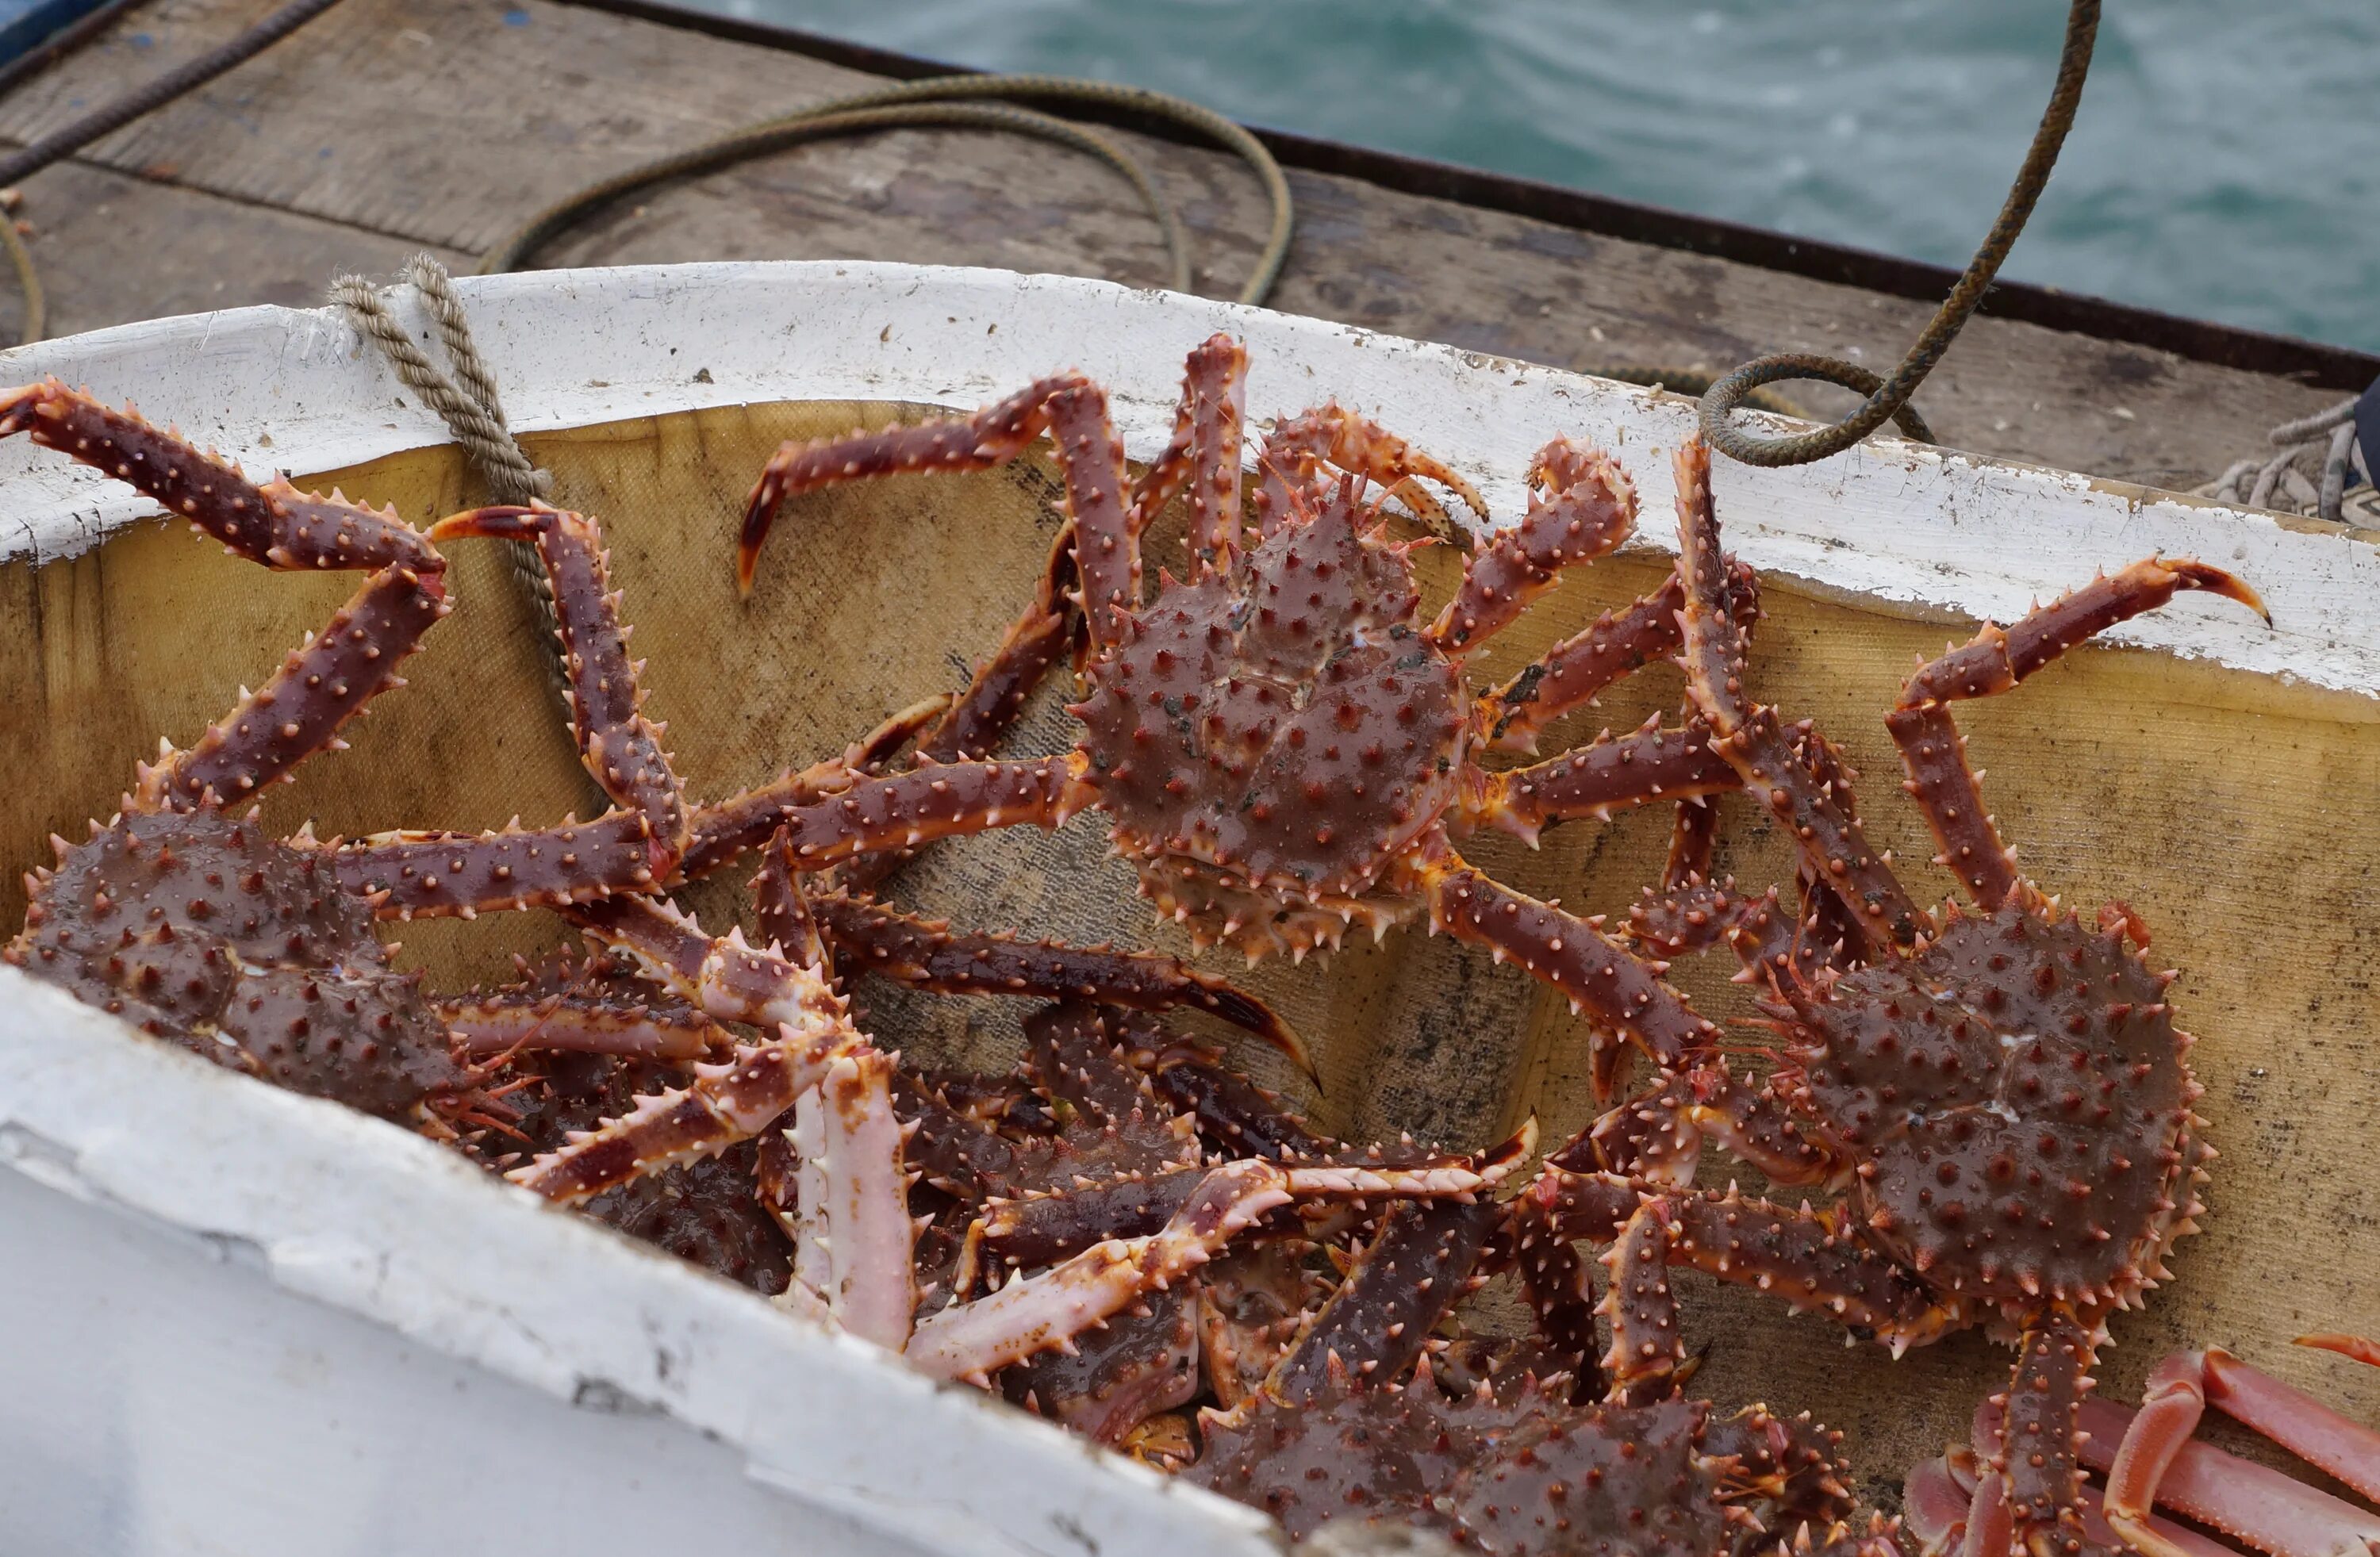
column 1887, row 398
column 945, row 100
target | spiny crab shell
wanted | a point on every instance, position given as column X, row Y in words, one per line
column 1269, row 744
column 206, row 932
column 2013, row 1099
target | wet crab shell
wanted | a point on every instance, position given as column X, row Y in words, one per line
column 203, row 930
column 2015, row 1101
column 1279, row 737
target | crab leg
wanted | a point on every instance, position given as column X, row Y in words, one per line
column 1934, row 752
column 726, row 1102
column 925, row 954
column 1646, row 1350
column 1296, row 449
column 319, row 687
column 993, row 436
column 1204, row 454
column 503, row 1020
column 1601, row 977
column 1071, row 408
column 862, row 1195
column 275, row 524
column 1581, row 507
column 633, row 848
column 619, row 746
column 1658, row 1138
column 1560, row 1293
column 1806, row 1259
column 939, row 800
column 1235, row 1114
column 1415, row 1270
column 718, row 835
column 789, row 925
column 1033, row 1313
column 2157, row 1463
column 1618, row 644
column 1593, row 781
column 1749, row 735
column 2034, row 1468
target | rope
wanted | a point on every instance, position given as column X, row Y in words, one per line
column 467, row 403
column 942, row 100
column 2309, row 474
column 1887, row 398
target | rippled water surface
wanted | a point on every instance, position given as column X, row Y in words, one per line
column 2226, row 163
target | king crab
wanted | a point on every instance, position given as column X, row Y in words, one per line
column 2002, row 1094
column 1282, row 747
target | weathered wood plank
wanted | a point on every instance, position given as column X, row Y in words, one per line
column 112, row 247
column 446, row 122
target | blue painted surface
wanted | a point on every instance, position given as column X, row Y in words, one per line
column 26, row 24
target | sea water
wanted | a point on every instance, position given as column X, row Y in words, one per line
column 2225, row 162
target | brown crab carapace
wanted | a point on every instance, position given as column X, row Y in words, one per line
column 2148, row 1459
column 2001, row 1092
column 1282, row 746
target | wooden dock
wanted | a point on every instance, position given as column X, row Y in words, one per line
column 391, row 126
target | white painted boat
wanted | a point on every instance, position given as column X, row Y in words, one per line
column 233, row 1319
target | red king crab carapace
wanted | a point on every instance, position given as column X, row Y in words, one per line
column 1282, row 747
column 2000, row 1093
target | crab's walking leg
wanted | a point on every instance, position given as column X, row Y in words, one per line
column 1234, row 1113
column 718, row 835
column 2356, row 1348
column 862, row 1191
column 275, row 524
column 1296, row 449
column 1658, row 1138
column 1646, row 1350
column 1601, row 977
column 1204, row 454
column 1594, row 780
column 1034, row 1313
column 1043, row 1229
column 1582, row 505
column 925, row 954
column 1069, row 407
column 618, row 744
column 1416, row 1269
column 1934, row 752
column 726, row 1102
column 633, row 848
column 993, row 436
column 1749, row 735
column 1618, row 644
column 2157, row 1462
column 320, row 687
column 503, row 1020
column 1560, row 1288
column 1806, row 1259
column 978, row 717
column 942, row 800
column 2036, row 1462
column 789, row 925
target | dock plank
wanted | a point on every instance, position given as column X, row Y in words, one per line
column 446, row 122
